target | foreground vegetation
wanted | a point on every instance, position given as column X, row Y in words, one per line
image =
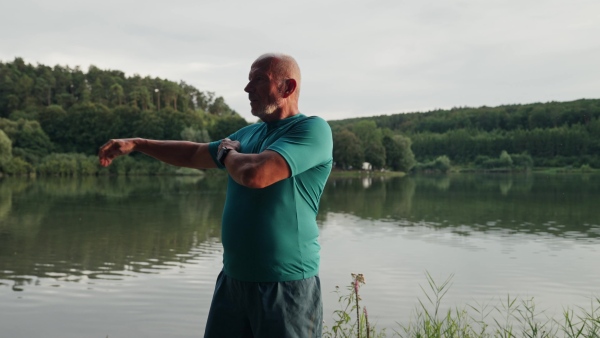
column 512, row 317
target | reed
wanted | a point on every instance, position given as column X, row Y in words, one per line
column 511, row 317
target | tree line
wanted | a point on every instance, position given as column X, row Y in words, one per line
column 25, row 88
column 550, row 134
column 363, row 141
column 45, row 111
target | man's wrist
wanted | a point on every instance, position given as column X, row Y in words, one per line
column 222, row 154
column 138, row 143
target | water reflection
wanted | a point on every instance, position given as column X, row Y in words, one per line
column 84, row 229
column 544, row 205
column 104, row 228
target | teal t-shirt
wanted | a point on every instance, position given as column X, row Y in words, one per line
column 271, row 234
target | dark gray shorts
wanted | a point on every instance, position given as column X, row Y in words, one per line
column 263, row 310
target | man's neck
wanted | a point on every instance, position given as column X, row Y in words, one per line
column 280, row 114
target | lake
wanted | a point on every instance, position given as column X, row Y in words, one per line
column 138, row 257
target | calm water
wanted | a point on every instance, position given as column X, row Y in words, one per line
column 137, row 257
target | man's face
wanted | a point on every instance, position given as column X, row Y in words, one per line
column 263, row 89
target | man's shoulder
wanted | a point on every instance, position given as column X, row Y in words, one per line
column 250, row 129
column 315, row 123
column 313, row 119
column 253, row 126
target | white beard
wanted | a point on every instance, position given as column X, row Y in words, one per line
column 270, row 108
column 267, row 110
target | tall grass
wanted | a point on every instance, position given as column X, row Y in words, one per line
column 512, row 317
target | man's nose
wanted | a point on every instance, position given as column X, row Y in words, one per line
column 248, row 88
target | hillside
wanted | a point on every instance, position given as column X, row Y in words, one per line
column 554, row 134
column 47, row 111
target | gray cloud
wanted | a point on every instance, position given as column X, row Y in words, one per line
column 359, row 58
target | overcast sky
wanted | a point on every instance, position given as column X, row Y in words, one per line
column 358, row 58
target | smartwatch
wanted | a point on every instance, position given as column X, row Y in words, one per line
column 222, row 154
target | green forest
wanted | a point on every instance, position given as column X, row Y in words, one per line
column 54, row 119
column 510, row 137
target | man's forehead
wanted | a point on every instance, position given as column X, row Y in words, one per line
column 260, row 66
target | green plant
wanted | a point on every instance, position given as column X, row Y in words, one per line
column 586, row 324
column 428, row 320
column 510, row 317
column 349, row 303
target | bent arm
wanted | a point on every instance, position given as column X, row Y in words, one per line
column 257, row 170
column 177, row 153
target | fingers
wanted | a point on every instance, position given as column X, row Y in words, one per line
column 230, row 144
column 105, row 162
column 108, row 152
column 113, row 149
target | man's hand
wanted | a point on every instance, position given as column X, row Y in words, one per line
column 235, row 145
column 114, row 148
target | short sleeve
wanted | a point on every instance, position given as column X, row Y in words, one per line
column 306, row 145
column 213, row 149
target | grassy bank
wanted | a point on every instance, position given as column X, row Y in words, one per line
column 510, row 318
column 364, row 173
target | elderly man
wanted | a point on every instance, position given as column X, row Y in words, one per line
column 269, row 285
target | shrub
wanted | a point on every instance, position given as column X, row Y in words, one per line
column 505, row 159
column 17, row 166
column 585, row 168
column 522, row 160
column 69, row 164
column 440, row 165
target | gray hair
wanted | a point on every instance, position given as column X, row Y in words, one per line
column 284, row 67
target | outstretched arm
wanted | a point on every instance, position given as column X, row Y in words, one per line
column 177, row 153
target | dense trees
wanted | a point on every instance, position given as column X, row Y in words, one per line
column 48, row 110
column 61, row 115
column 348, row 151
column 550, row 134
column 28, row 139
column 5, row 149
column 545, row 145
column 365, row 142
column 509, row 117
column 28, row 88
column 399, row 155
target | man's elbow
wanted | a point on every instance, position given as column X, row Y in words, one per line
column 252, row 178
column 256, row 174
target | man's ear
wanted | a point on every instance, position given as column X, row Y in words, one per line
column 290, row 87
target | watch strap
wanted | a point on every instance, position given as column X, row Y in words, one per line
column 222, row 154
